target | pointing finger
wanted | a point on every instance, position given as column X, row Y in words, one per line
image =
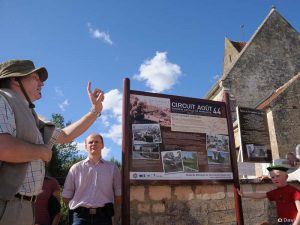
column 89, row 87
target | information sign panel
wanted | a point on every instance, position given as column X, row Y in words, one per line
column 254, row 135
column 178, row 138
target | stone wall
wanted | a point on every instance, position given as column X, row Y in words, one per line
column 286, row 116
column 230, row 55
column 197, row 205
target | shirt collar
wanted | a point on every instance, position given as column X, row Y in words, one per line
column 100, row 160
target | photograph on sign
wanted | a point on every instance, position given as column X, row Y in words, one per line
column 190, row 162
column 256, row 151
column 146, row 151
column 146, row 133
column 150, row 110
column 218, row 149
column 172, row 161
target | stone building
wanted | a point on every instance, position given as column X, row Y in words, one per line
column 254, row 71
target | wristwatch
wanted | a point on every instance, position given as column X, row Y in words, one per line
column 93, row 111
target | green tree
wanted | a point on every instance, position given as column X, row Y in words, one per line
column 115, row 161
column 64, row 155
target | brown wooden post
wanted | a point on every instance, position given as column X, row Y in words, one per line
column 236, row 181
column 125, row 154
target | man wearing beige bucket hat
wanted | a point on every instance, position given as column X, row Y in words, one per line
column 26, row 140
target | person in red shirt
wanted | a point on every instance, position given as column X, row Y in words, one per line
column 47, row 212
column 286, row 197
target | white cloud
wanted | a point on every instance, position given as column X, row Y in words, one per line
column 101, row 35
column 60, row 96
column 112, row 106
column 58, row 91
column 115, row 133
column 158, row 73
column 63, row 105
column 81, row 147
column 113, row 102
column 105, row 152
column 105, row 120
column 216, row 77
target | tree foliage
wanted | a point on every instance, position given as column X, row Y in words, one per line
column 115, row 161
column 64, row 155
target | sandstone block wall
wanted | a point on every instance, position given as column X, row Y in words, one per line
column 196, row 205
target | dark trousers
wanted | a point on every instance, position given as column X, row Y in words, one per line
column 91, row 219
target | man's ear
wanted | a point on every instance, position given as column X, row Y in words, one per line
column 14, row 81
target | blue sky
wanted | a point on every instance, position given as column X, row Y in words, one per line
column 168, row 46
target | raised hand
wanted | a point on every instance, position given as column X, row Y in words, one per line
column 96, row 97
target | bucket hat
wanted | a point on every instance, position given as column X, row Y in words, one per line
column 21, row 68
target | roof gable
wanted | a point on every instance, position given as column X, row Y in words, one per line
column 238, row 45
column 275, row 95
column 273, row 15
column 274, row 20
column 232, row 50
